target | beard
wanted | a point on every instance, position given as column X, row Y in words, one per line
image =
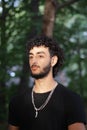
column 43, row 73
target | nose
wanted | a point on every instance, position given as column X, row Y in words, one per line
column 33, row 60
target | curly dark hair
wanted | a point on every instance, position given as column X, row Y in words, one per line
column 53, row 46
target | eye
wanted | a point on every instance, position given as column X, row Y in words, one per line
column 30, row 56
column 41, row 56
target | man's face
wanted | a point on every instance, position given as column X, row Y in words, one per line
column 40, row 62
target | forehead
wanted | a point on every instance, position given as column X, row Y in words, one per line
column 37, row 49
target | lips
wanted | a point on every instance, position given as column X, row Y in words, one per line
column 34, row 67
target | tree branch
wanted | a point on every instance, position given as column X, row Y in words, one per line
column 66, row 4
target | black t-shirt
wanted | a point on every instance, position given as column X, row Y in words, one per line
column 64, row 108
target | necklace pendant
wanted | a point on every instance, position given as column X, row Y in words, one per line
column 36, row 114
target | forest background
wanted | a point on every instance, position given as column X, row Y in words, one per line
column 20, row 20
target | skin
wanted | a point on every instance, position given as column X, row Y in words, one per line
column 39, row 57
column 11, row 127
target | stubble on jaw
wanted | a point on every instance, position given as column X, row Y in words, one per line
column 43, row 73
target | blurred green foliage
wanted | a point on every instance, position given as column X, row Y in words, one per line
column 22, row 19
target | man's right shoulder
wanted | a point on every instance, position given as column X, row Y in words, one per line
column 20, row 96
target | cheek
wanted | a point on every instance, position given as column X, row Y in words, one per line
column 46, row 63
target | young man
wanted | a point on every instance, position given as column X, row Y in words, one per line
column 48, row 105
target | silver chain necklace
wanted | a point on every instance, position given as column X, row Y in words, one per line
column 44, row 104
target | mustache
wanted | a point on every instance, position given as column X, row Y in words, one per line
column 34, row 65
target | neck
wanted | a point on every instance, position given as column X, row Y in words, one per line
column 44, row 85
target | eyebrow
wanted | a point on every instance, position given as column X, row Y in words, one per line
column 41, row 52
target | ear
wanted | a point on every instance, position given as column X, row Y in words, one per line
column 54, row 60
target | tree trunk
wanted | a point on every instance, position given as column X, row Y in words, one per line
column 51, row 7
column 49, row 17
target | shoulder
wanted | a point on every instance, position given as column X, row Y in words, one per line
column 73, row 105
column 19, row 97
column 69, row 96
column 65, row 91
